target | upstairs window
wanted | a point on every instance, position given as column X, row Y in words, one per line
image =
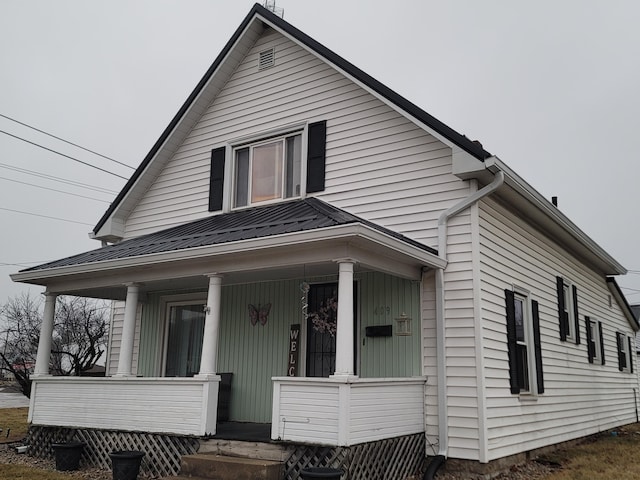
column 267, row 171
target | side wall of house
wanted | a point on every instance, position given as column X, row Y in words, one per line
column 115, row 338
column 379, row 166
column 580, row 398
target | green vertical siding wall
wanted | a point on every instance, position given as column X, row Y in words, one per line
column 383, row 298
column 255, row 354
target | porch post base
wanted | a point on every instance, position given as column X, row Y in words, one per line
column 343, row 377
column 206, row 376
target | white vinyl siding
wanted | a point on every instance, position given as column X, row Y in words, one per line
column 580, row 398
column 379, row 165
column 115, row 338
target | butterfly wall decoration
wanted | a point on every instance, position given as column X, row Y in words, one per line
column 259, row 313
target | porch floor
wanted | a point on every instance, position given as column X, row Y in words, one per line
column 243, row 431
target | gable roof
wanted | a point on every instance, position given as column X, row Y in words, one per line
column 222, row 68
column 257, row 222
column 627, row 309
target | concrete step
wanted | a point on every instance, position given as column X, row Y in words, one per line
column 234, row 448
column 221, row 467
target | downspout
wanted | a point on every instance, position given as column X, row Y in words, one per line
column 443, row 433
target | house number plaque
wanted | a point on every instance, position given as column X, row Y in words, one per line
column 294, row 339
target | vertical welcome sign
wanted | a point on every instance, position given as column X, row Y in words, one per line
column 294, row 338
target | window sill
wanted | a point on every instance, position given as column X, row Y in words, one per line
column 528, row 398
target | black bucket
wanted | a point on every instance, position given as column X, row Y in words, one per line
column 126, row 464
column 67, row 455
column 321, row 472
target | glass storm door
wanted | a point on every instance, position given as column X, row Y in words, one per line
column 184, row 340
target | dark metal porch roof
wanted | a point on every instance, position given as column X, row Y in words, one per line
column 258, row 222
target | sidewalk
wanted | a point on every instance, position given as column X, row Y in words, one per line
column 10, row 398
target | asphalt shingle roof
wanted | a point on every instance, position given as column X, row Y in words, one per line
column 257, row 222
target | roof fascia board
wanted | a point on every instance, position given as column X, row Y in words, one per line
column 404, row 107
column 615, row 290
column 540, row 202
column 184, row 110
column 465, row 170
column 356, row 230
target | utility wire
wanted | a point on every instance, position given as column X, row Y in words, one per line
column 64, row 155
column 58, row 179
column 24, row 264
column 45, row 216
column 53, row 190
column 66, row 141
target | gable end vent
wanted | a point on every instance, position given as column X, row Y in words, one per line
column 267, row 59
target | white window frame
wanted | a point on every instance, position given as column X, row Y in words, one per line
column 567, row 290
column 625, row 348
column 523, row 295
column 167, row 303
column 259, row 140
column 595, row 327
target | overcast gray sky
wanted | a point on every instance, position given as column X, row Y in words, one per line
column 550, row 87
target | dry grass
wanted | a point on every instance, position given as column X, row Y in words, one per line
column 609, row 456
column 23, row 472
column 14, row 421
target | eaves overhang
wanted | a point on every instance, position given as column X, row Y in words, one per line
column 358, row 234
column 522, row 196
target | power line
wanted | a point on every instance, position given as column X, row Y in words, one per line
column 58, row 179
column 45, row 216
column 53, row 189
column 23, row 264
column 66, row 141
column 64, row 155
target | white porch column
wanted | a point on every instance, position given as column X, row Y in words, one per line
column 344, row 328
column 209, row 358
column 128, row 331
column 46, row 336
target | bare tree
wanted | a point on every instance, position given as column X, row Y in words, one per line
column 78, row 341
column 79, row 335
column 20, row 333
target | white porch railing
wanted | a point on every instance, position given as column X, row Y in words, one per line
column 184, row 406
column 343, row 412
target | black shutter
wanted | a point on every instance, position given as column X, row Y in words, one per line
column 511, row 340
column 537, row 345
column 576, row 318
column 601, row 342
column 630, row 355
column 216, row 180
column 621, row 360
column 316, row 156
column 590, row 352
column 562, row 314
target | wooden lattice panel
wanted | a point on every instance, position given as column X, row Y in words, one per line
column 391, row 459
column 162, row 452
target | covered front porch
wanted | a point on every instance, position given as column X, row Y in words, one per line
column 251, row 306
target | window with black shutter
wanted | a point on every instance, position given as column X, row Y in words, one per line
column 524, row 344
column 568, row 319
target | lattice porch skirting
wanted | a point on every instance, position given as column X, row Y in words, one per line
column 391, row 459
column 162, row 452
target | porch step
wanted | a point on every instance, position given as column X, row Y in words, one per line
column 222, row 467
column 237, row 448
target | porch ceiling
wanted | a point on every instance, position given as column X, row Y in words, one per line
column 291, row 240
